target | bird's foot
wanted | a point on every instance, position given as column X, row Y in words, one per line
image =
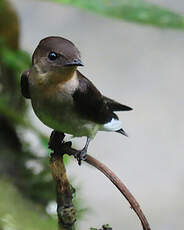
column 81, row 155
column 59, row 147
column 56, row 139
column 56, row 142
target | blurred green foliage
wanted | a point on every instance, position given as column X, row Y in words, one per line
column 26, row 190
column 137, row 11
column 17, row 60
column 9, row 25
column 17, row 213
column 15, row 151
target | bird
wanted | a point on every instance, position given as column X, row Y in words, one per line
column 63, row 98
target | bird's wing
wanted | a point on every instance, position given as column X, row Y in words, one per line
column 25, row 84
column 90, row 103
column 116, row 106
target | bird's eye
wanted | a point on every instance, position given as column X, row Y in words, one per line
column 52, row 56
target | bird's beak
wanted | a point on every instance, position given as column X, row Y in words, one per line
column 75, row 62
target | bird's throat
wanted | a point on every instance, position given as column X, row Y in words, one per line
column 54, row 77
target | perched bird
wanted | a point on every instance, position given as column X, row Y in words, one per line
column 62, row 98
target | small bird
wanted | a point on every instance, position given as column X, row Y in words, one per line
column 63, row 98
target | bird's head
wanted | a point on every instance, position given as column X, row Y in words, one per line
column 56, row 55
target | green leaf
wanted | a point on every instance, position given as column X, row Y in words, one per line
column 138, row 11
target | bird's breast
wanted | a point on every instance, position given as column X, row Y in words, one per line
column 55, row 107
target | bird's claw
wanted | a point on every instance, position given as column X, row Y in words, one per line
column 67, row 144
column 57, row 144
column 80, row 156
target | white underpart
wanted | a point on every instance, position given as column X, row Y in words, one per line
column 112, row 125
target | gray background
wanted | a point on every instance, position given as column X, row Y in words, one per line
column 143, row 68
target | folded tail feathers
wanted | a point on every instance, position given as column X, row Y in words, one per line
column 116, row 106
column 120, row 107
column 122, row 132
column 114, row 126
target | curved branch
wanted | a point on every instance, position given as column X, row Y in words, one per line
column 59, row 146
column 121, row 187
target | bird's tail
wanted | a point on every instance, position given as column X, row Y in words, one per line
column 122, row 132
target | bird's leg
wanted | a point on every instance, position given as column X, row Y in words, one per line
column 81, row 154
column 57, row 144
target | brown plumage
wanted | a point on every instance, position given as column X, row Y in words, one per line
column 62, row 97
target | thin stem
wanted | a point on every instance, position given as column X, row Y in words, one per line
column 121, row 187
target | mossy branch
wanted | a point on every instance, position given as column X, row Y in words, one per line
column 65, row 208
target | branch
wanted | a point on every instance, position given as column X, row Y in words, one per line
column 65, row 209
column 104, row 227
column 121, row 187
column 59, row 146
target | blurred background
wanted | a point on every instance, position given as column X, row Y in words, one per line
column 133, row 52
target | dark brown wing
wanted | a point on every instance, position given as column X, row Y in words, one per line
column 116, row 106
column 90, row 103
column 25, row 84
